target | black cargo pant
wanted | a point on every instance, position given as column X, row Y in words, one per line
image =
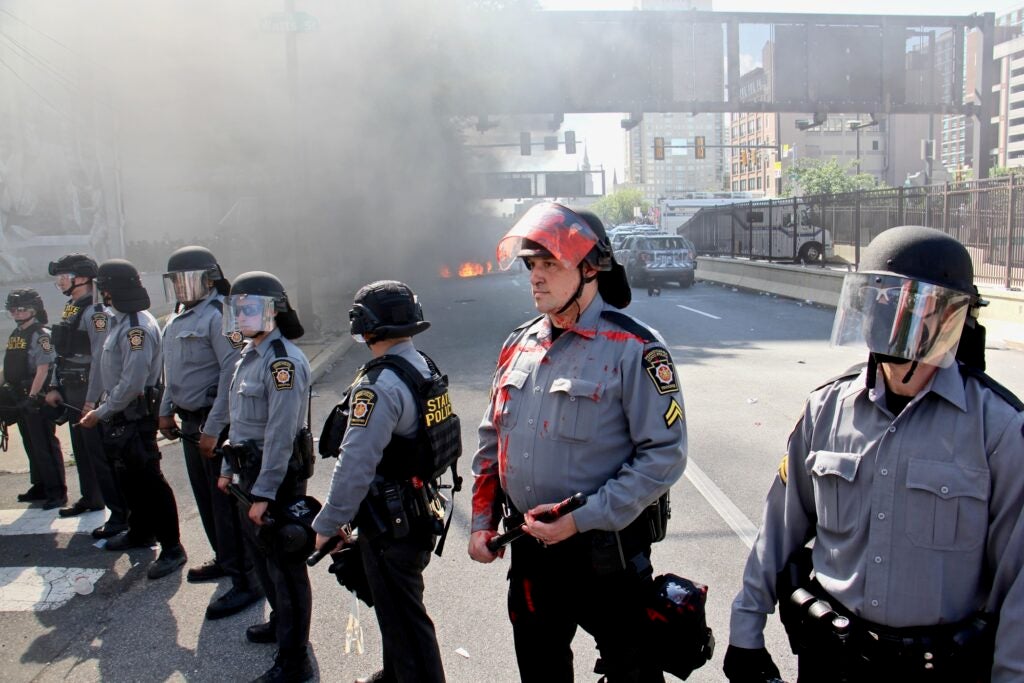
column 283, row 577
column 95, row 479
column 394, row 570
column 134, row 457
column 45, row 460
column 216, row 511
column 578, row 582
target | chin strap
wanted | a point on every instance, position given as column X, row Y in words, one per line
column 579, row 290
column 872, row 371
column 910, row 372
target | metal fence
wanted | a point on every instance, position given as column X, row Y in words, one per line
column 987, row 216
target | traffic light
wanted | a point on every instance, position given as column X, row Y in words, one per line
column 659, row 149
column 698, row 147
column 570, row 142
column 524, row 143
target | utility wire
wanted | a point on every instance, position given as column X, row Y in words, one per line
column 41, row 63
column 45, row 35
column 38, row 94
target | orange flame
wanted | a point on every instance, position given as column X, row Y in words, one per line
column 446, row 271
column 470, row 269
column 488, row 266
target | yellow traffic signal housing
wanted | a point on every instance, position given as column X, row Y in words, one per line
column 698, row 147
column 659, row 149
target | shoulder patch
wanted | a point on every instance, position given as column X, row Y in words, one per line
column 99, row 322
column 136, row 338
column 236, row 339
column 784, row 469
column 283, row 372
column 362, row 402
column 70, row 310
column 658, row 365
column 44, row 343
column 674, row 413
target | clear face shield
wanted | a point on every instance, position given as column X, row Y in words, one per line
column 64, row 282
column 186, row 286
column 249, row 314
column 565, row 235
column 897, row 316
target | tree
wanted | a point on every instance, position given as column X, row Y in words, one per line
column 814, row 176
column 617, row 207
column 1001, row 171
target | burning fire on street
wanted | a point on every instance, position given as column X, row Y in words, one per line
column 467, row 269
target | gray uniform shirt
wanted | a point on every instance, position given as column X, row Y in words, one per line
column 918, row 518
column 597, row 411
column 131, row 360
column 267, row 400
column 94, row 321
column 199, row 362
column 40, row 350
column 380, row 409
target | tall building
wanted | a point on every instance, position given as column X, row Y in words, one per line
column 1009, row 117
column 680, row 171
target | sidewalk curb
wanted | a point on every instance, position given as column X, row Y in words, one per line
column 321, row 363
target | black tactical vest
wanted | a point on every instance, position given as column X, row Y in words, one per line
column 16, row 368
column 68, row 338
column 437, row 444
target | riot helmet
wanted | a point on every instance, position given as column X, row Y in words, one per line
column 19, row 301
column 909, row 299
column 386, row 309
column 191, row 273
column 573, row 238
column 119, row 280
column 257, row 302
column 72, row 266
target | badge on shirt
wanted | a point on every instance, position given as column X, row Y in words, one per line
column 362, row 405
column 658, row 365
column 283, row 372
column 784, row 469
column 136, row 338
column 673, row 414
column 70, row 310
column 236, row 339
column 99, row 322
column 44, row 343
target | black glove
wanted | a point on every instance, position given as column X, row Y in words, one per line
column 743, row 665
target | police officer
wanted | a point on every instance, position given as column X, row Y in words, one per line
column 78, row 341
column 268, row 396
column 907, row 474
column 377, row 454
column 130, row 368
column 584, row 399
column 26, row 366
column 198, row 364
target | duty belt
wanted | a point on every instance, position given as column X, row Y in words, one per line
column 192, row 415
column 73, row 375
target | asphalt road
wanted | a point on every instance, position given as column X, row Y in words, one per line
column 746, row 362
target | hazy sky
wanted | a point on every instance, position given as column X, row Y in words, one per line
column 602, row 132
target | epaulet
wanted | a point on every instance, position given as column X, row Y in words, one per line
column 850, row 373
column 218, row 304
column 279, row 349
column 629, row 325
column 134, row 318
column 995, row 386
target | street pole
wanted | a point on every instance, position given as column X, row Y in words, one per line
column 858, row 150
column 297, row 214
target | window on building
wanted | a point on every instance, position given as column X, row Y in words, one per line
column 874, row 145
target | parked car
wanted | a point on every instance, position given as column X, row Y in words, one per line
column 651, row 260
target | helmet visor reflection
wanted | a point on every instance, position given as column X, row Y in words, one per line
column 249, row 314
column 900, row 317
column 559, row 230
column 186, row 286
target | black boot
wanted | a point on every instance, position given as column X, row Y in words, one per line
column 293, row 667
column 263, row 633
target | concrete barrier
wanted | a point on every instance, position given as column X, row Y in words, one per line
column 1004, row 316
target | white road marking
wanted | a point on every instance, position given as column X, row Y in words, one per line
column 700, row 312
column 725, row 508
column 26, row 521
column 37, row 589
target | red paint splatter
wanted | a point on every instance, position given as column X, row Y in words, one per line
column 485, row 495
column 655, row 616
column 528, row 594
column 619, row 336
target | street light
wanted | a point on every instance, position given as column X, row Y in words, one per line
column 805, row 124
column 856, row 126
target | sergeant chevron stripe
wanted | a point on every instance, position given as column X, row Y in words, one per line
column 673, row 414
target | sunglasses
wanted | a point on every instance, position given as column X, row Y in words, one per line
column 250, row 309
column 20, row 309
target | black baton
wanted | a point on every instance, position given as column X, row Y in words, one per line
column 329, row 545
column 573, row 502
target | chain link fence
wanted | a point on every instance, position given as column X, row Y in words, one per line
column 987, row 216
